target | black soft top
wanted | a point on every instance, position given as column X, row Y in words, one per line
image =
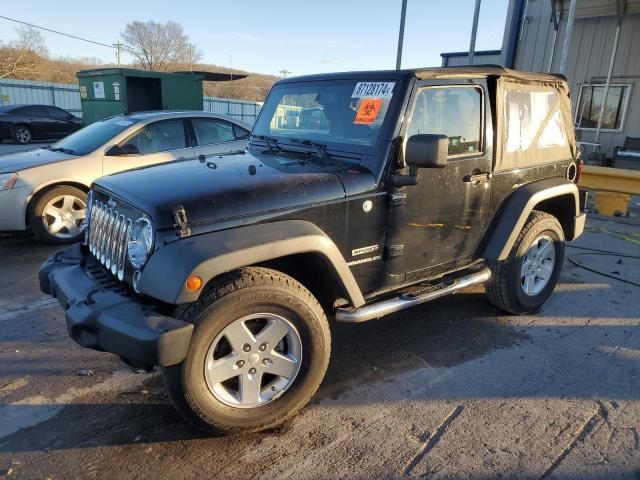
column 475, row 71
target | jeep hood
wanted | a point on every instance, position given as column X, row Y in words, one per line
column 14, row 162
column 235, row 189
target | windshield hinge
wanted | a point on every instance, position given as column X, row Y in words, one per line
column 397, row 199
column 180, row 217
column 392, row 251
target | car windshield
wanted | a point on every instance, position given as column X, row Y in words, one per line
column 343, row 114
column 87, row 139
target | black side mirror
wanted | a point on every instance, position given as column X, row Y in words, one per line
column 427, row 151
column 121, row 150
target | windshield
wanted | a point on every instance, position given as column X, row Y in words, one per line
column 350, row 113
column 87, row 139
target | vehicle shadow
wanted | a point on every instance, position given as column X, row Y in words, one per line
column 441, row 335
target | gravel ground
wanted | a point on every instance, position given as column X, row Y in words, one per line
column 451, row 389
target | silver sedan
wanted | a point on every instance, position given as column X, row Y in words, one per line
column 45, row 189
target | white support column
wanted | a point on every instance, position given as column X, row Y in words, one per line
column 567, row 36
column 555, row 18
column 620, row 4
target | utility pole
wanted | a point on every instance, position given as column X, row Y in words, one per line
column 118, row 54
column 284, row 72
column 191, row 57
column 474, row 32
column 403, row 14
column 231, row 66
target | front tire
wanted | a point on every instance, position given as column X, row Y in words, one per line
column 526, row 278
column 259, row 351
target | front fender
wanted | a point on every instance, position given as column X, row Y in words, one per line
column 213, row 254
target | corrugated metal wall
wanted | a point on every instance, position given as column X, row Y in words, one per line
column 67, row 96
column 588, row 59
column 16, row 92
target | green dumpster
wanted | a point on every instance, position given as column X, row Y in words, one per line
column 111, row 91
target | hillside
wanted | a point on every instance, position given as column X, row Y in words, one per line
column 63, row 70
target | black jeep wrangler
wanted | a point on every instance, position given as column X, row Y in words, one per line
column 406, row 186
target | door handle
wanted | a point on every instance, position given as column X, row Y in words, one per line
column 476, row 178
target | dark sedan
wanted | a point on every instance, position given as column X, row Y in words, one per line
column 24, row 123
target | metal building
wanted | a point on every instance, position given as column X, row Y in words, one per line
column 595, row 44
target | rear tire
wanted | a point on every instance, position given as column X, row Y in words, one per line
column 22, row 134
column 57, row 215
column 526, row 278
column 213, row 398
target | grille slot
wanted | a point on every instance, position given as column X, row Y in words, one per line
column 107, row 238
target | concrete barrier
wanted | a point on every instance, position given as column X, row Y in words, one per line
column 613, row 187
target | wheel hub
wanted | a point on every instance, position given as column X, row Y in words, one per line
column 254, row 358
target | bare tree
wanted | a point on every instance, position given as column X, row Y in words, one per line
column 20, row 58
column 159, row 46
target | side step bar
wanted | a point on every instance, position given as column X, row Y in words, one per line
column 380, row 309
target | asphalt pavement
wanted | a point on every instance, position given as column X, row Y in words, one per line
column 11, row 147
column 450, row 389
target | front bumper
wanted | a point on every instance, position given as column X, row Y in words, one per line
column 13, row 207
column 107, row 320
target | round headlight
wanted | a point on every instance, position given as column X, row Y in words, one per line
column 140, row 242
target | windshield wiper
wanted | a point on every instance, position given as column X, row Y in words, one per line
column 320, row 148
column 272, row 143
column 68, row 151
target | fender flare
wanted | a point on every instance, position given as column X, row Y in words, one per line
column 213, row 254
column 508, row 223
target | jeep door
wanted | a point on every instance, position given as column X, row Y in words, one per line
column 158, row 142
column 440, row 221
column 215, row 136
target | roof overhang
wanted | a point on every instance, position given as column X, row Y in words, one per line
column 599, row 8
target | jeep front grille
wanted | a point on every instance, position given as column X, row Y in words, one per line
column 108, row 236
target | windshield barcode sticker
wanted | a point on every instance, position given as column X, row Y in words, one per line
column 373, row 89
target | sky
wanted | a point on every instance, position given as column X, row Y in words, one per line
column 267, row 36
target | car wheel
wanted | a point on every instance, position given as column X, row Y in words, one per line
column 259, row 351
column 57, row 215
column 22, row 134
column 526, row 278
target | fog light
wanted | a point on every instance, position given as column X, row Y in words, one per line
column 193, row 283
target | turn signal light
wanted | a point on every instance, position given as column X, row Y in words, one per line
column 193, row 283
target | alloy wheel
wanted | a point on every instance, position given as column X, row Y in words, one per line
column 254, row 360
column 537, row 265
column 23, row 135
column 63, row 216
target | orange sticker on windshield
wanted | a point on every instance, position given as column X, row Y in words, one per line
column 368, row 111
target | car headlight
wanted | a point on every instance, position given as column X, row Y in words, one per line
column 8, row 180
column 140, row 242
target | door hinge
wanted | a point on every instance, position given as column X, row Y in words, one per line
column 397, row 199
column 392, row 251
column 180, row 217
